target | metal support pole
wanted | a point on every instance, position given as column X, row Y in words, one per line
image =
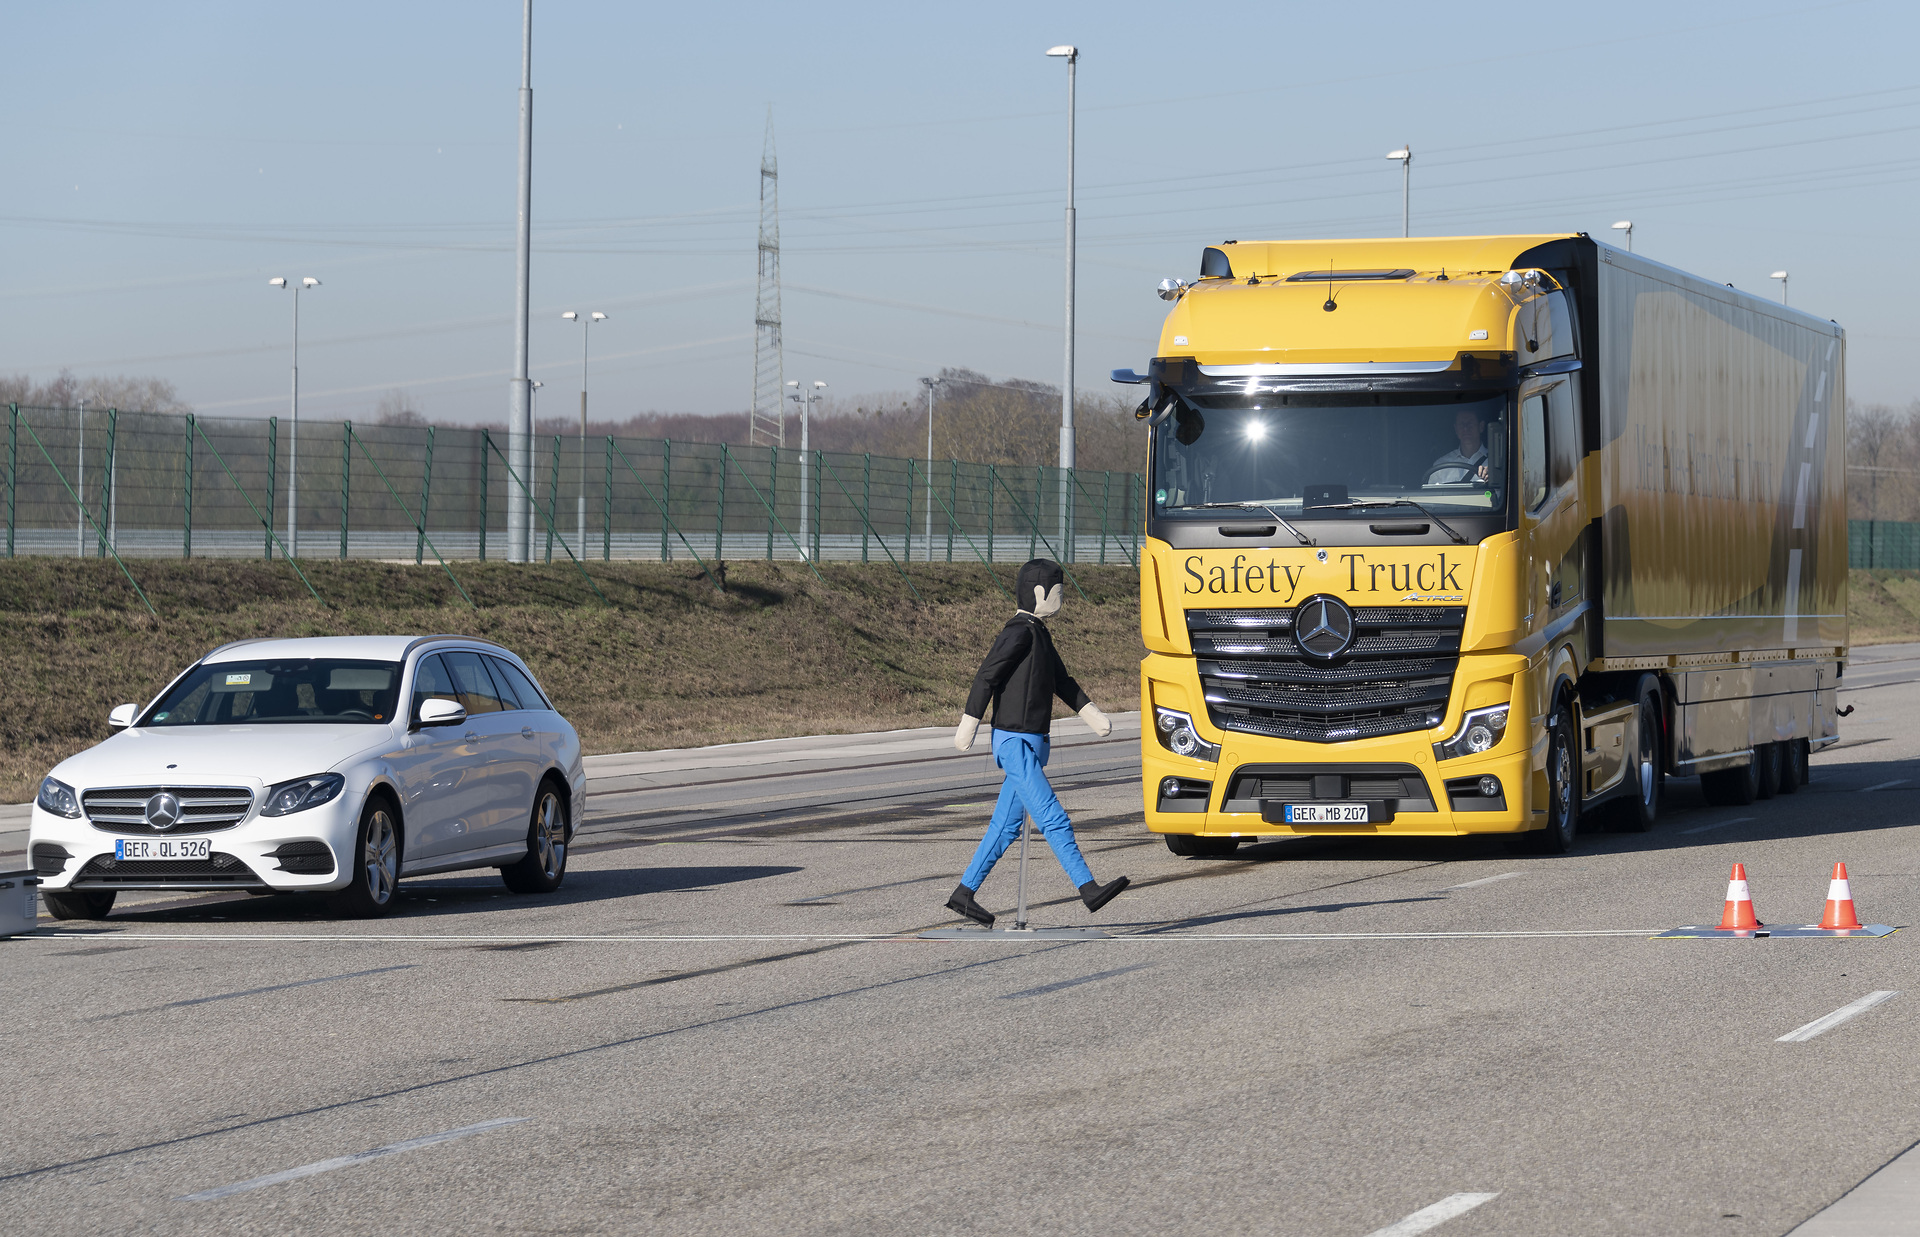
column 186, row 497
column 866, row 501
column 929, row 533
column 606, row 510
column 553, row 496
column 953, row 500
column 666, row 493
column 992, row 478
column 720, row 511
column 13, row 467
column 80, row 481
column 346, row 482
column 1106, row 498
column 1020, row 915
column 107, row 476
column 520, row 393
column 773, row 493
column 1067, row 454
column 818, row 460
column 486, row 448
column 273, row 466
column 1033, row 526
column 908, row 555
column 426, row 493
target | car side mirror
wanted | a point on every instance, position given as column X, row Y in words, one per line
column 123, row 716
column 440, row 712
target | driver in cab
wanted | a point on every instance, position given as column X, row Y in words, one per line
column 1468, row 462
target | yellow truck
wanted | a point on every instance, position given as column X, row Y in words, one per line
column 1482, row 535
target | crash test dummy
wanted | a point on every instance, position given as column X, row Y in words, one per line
column 1019, row 679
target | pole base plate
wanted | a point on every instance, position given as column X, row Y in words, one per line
column 1017, row 934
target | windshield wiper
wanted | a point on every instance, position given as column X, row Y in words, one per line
column 1299, row 536
column 1375, row 504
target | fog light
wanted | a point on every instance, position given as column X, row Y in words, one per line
column 1169, row 787
column 1490, row 787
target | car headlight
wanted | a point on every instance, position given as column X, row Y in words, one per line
column 302, row 793
column 1176, row 733
column 1480, row 731
column 58, row 798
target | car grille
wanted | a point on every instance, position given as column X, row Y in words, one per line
column 203, row 809
column 1394, row 678
column 217, row 871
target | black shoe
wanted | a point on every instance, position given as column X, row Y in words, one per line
column 962, row 901
column 1096, row 895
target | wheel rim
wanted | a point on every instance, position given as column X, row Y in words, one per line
column 1646, row 757
column 1563, row 781
column 550, row 836
column 381, row 859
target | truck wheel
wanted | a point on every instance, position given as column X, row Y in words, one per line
column 1794, row 772
column 1640, row 808
column 1734, row 787
column 84, row 904
column 1189, row 846
column 1563, row 788
column 1768, row 757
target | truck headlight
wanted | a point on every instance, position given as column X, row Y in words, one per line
column 58, row 798
column 1176, row 733
column 301, row 794
column 1480, row 731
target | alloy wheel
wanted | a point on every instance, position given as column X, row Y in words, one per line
column 381, row 857
column 550, row 836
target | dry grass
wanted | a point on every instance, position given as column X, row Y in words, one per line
column 671, row 663
column 1883, row 607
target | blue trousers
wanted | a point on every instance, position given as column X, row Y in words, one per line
column 1026, row 792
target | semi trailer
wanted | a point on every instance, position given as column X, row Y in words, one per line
column 1482, row 535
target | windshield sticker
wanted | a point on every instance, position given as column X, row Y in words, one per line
column 239, row 680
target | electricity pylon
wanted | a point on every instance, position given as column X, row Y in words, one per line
column 767, row 424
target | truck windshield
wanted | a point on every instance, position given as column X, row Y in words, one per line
column 1316, row 453
column 322, row 690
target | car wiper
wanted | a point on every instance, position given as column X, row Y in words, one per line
column 1299, row 536
column 1376, row 504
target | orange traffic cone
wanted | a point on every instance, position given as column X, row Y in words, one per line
column 1739, row 913
column 1840, row 913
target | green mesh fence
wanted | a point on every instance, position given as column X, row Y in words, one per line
column 164, row 485
column 1883, row 543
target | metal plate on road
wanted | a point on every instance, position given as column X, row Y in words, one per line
column 1324, row 813
column 1772, row 930
column 1017, row 934
column 162, row 848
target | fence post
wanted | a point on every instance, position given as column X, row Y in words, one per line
column 907, row 555
column 1033, row 522
column 866, row 501
column 993, row 478
column 13, row 461
column 773, row 493
column 273, row 468
column 186, row 496
column 1132, row 522
column 106, row 483
column 953, row 500
column 606, row 511
column 1106, row 497
column 666, row 493
column 720, row 511
column 486, row 443
column 426, row 493
column 819, row 483
column 553, row 497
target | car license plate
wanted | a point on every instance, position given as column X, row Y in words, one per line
column 162, row 848
column 1326, row 813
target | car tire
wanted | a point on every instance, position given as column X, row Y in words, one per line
column 1188, row 846
column 1768, row 757
column 1639, row 810
column 1563, row 787
column 545, row 864
column 374, row 864
column 79, row 904
column 1735, row 787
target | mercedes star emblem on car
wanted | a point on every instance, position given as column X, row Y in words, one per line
column 1323, row 627
column 163, row 811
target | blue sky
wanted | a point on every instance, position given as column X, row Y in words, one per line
column 164, row 161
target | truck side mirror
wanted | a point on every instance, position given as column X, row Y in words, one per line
column 122, row 716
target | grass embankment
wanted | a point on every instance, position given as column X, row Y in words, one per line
column 670, row 663
column 1883, row 607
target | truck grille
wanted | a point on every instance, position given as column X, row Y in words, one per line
column 203, row 809
column 1394, row 678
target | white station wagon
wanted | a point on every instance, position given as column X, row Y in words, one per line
column 338, row 763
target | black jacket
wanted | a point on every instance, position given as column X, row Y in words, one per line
column 1021, row 676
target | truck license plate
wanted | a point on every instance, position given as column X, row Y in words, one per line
column 1326, row 813
column 162, row 848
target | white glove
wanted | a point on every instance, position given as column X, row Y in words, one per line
column 1096, row 720
column 963, row 737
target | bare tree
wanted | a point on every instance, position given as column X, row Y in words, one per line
column 1872, row 429
column 129, row 394
column 398, row 407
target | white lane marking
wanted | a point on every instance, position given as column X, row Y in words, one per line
column 1820, row 1026
column 343, row 1161
column 1428, row 1218
column 1898, row 781
column 905, row 934
column 1485, row 880
column 1719, row 824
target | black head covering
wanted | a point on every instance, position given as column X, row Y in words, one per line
column 1040, row 573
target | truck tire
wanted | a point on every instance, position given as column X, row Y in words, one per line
column 79, row 904
column 1769, row 758
column 1188, row 846
column 1563, row 787
column 1794, row 772
column 1639, row 809
column 1735, row 787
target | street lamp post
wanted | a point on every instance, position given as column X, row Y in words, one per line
column 804, row 396
column 928, row 384
column 519, row 392
column 1405, row 156
column 293, row 437
column 1072, row 56
column 586, row 322
column 1626, row 225
column 1782, row 277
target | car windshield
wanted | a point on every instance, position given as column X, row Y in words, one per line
column 311, row 690
column 1317, row 453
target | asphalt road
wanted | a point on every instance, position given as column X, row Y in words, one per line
column 726, row 1024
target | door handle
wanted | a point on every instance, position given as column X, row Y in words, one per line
column 526, row 732
column 1553, row 593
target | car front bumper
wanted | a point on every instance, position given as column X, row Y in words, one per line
column 245, row 856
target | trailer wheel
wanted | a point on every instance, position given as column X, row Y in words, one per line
column 1735, row 787
column 1188, row 846
column 1769, row 759
column 1794, row 772
column 1638, row 811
